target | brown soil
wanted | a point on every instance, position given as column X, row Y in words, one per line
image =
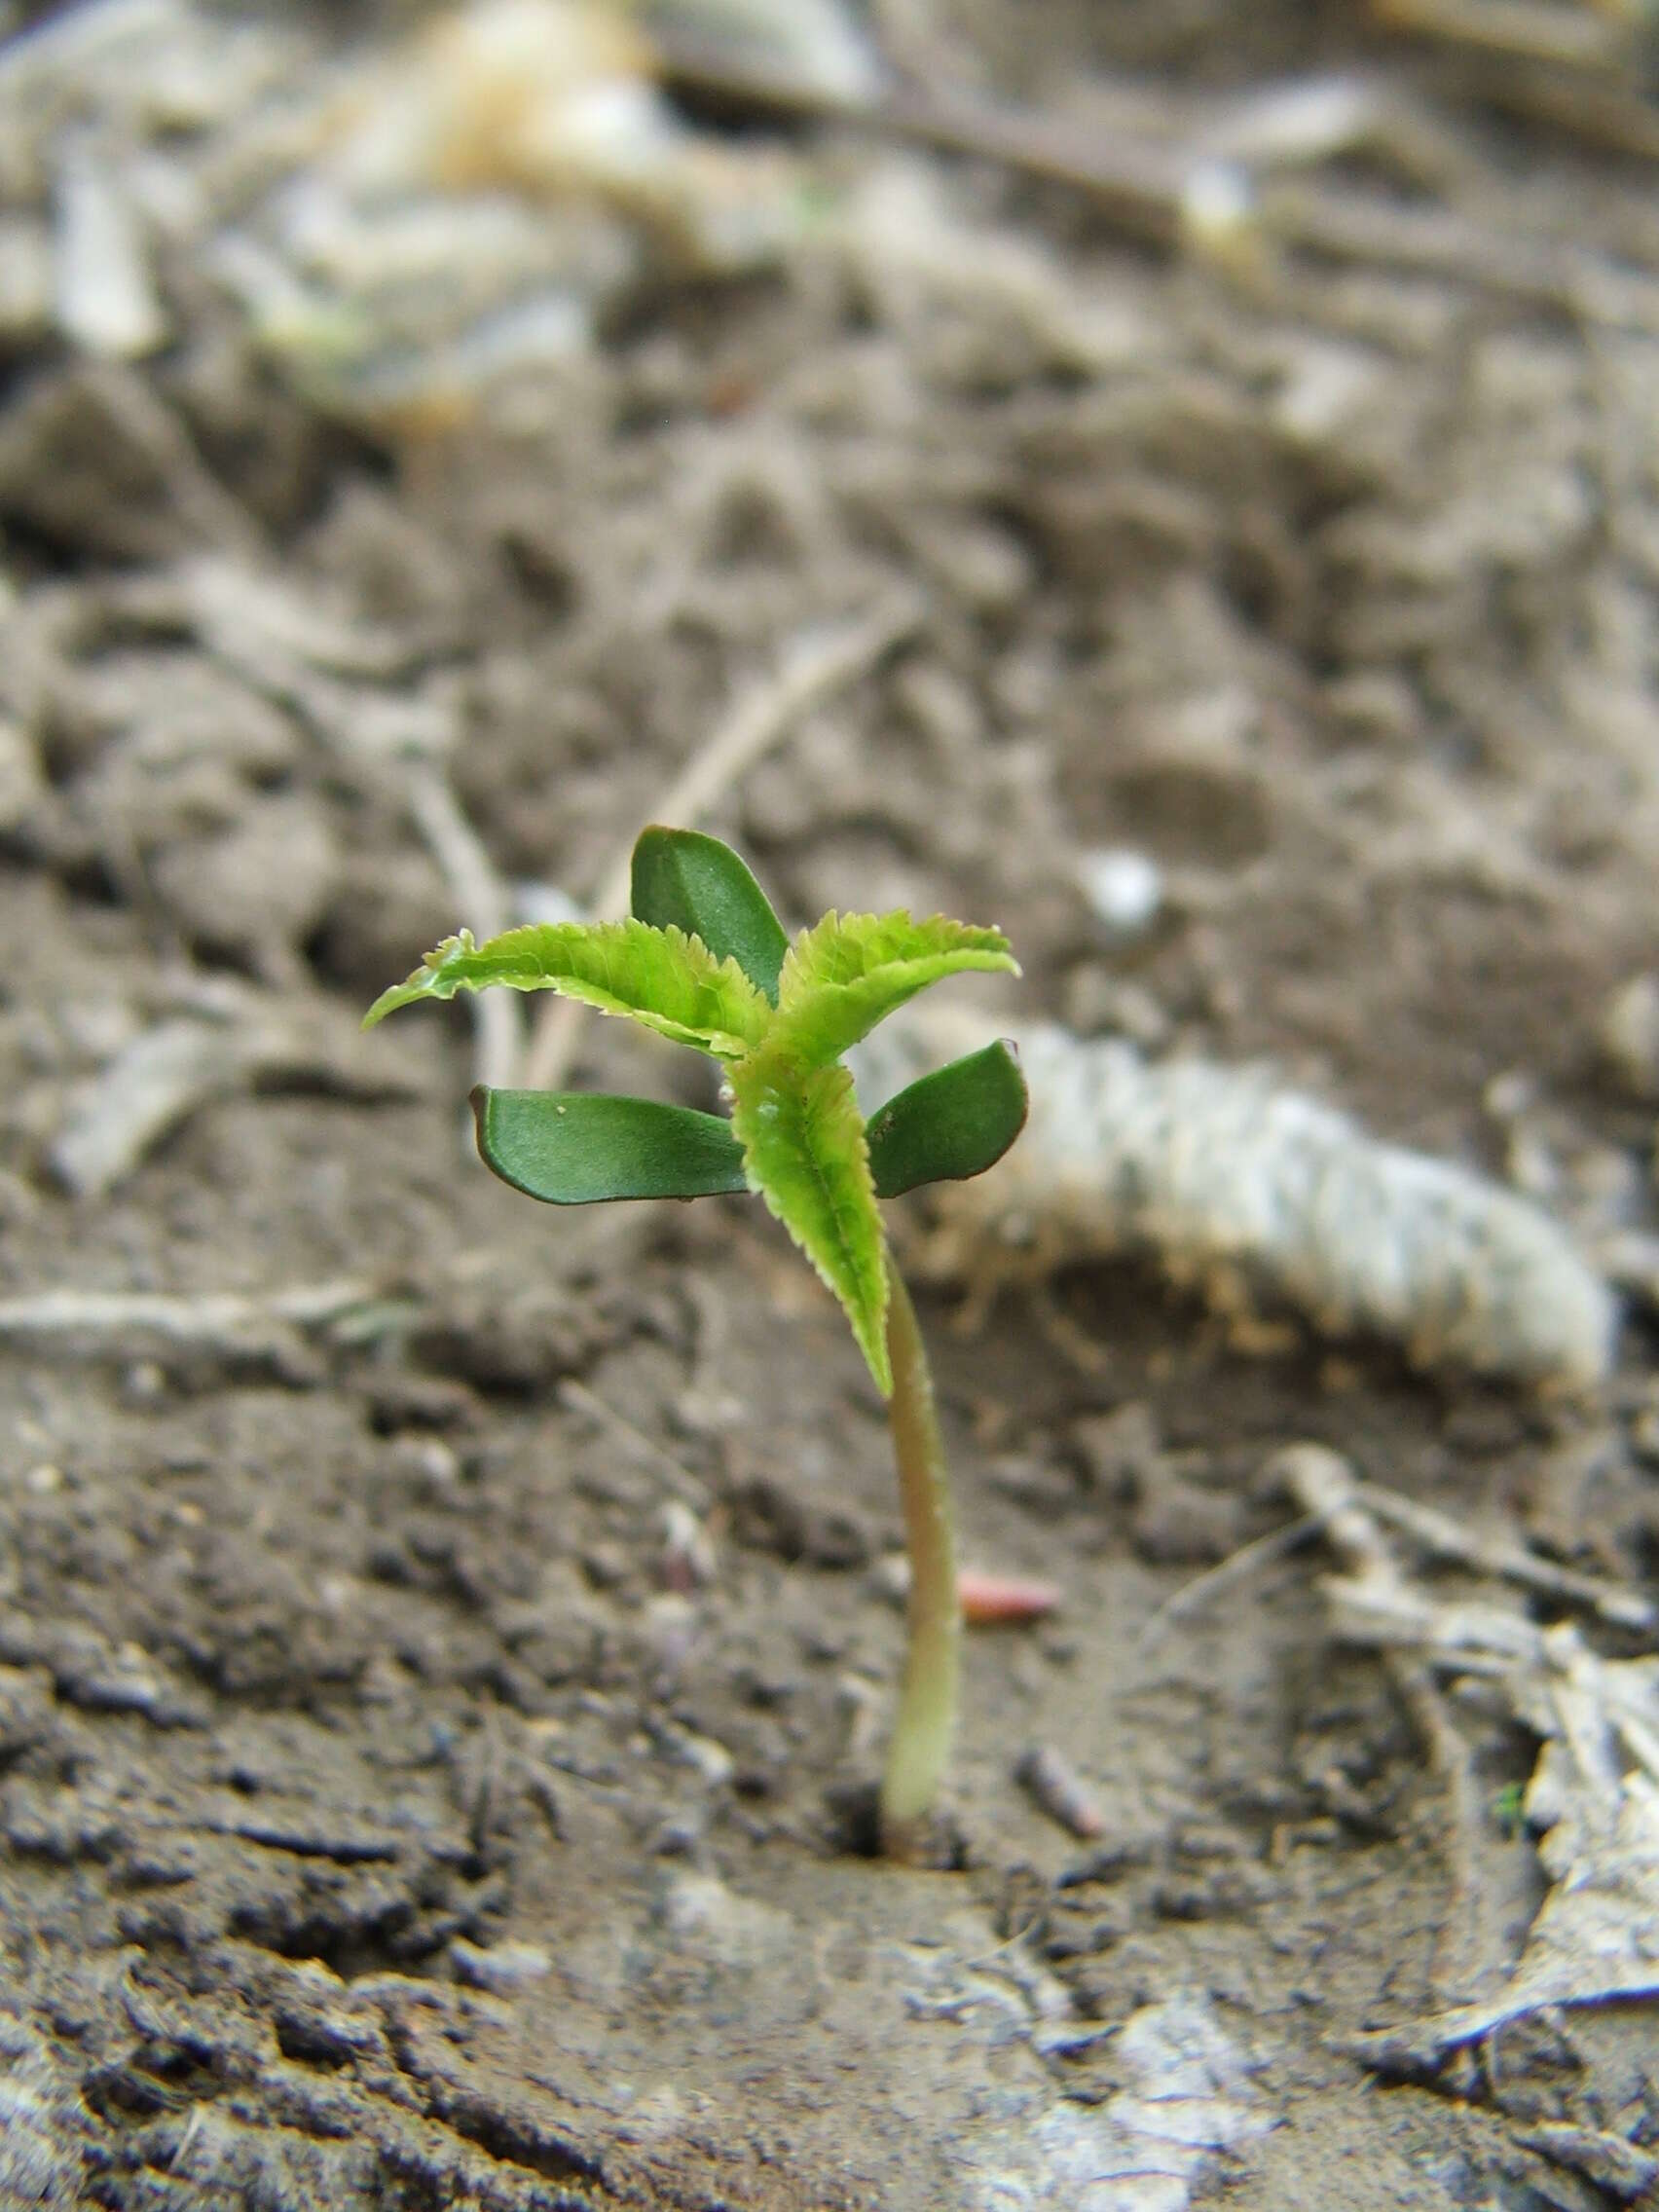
column 401, row 1803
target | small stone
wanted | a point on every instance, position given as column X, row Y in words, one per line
column 607, row 1566
column 1118, row 1449
column 1125, row 888
column 430, row 1466
column 1628, row 1036
column 25, row 282
column 22, row 786
column 1180, row 1523
column 503, row 1969
column 1042, row 1490
column 1098, row 1004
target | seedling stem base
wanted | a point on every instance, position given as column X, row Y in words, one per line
column 920, row 1743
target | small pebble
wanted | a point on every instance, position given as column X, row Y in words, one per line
column 143, row 1385
column 503, row 1969
column 1628, row 1035
column 1056, row 1787
column 688, row 1560
column 1125, row 888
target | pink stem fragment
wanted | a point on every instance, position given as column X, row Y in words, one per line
column 1004, row 1600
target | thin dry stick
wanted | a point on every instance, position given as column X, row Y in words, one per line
column 1147, row 187
column 816, row 666
column 1614, row 115
column 485, row 908
column 1238, row 1566
column 218, row 517
column 186, row 1318
column 118, row 1324
column 1327, row 1487
column 1569, row 37
column 1438, row 241
column 1138, row 185
column 688, row 1488
column 1440, row 1534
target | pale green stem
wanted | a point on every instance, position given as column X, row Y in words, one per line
column 927, row 1702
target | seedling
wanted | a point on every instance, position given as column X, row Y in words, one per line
column 704, row 961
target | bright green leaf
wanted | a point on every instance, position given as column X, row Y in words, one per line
column 804, row 1150
column 576, row 1147
column 953, row 1123
column 696, row 884
column 661, row 978
column 840, row 979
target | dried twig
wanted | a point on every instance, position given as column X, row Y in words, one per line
column 1438, row 241
column 484, row 905
column 1240, row 1566
column 1582, row 38
column 688, row 1488
column 261, row 1330
column 1138, row 185
column 1449, row 1539
column 1159, row 189
column 818, row 665
column 216, row 516
column 1467, row 1945
column 113, row 1120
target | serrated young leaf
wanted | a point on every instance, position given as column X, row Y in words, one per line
column 665, row 979
column 844, row 976
column 805, row 1152
column 573, row 1148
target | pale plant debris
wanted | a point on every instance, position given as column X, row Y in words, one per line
column 1628, row 1038
column 1592, row 1799
column 1468, row 1940
column 1595, row 1797
column 272, row 1331
column 483, row 903
column 115, row 1119
column 1580, row 66
column 364, row 689
column 107, row 303
column 686, row 1488
column 1624, row 2169
column 1244, row 1189
column 1632, row 1261
column 1443, row 1537
column 819, row 44
column 1188, row 2105
column 420, row 230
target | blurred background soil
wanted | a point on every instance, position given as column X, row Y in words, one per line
column 442, row 1645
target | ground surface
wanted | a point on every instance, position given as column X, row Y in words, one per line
column 432, row 1716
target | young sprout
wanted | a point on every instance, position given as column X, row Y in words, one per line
column 704, row 961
